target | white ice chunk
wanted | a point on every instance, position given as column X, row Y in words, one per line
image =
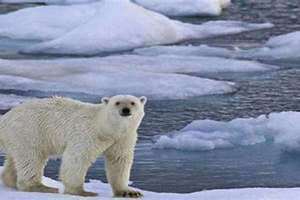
column 69, row 76
column 282, row 47
column 186, row 7
column 110, row 26
column 58, row 2
column 285, row 46
column 164, row 64
column 45, row 22
column 166, row 7
column 282, row 128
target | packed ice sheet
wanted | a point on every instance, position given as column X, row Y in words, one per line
column 127, row 26
column 282, row 47
column 281, row 128
column 167, row 7
column 185, row 7
column 8, row 101
column 79, row 77
column 104, row 192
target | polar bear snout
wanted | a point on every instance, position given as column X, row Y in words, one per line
column 125, row 112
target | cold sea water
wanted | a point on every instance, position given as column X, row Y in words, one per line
column 261, row 165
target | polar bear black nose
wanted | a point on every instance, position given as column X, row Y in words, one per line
column 125, row 112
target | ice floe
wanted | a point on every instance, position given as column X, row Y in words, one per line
column 45, row 22
column 110, row 26
column 283, row 47
column 157, row 64
column 79, row 77
column 186, row 7
column 58, row 2
column 105, row 193
column 190, row 50
column 281, row 128
column 166, row 7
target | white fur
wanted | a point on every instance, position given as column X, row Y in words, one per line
column 80, row 132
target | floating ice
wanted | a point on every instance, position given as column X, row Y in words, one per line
column 45, row 22
column 283, row 47
column 185, row 7
column 8, row 101
column 79, row 77
column 63, row 2
column 282, row 128
column 166, row 7
column 179, row 64
column 190, row 50
column 105, row 193
column 111, row 25
column 157, row 64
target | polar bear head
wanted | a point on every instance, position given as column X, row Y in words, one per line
column 124, row 110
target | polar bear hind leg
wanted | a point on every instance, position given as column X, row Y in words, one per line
column 9, row 174
column 30, row 170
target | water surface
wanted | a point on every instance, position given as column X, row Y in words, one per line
column 261, row 165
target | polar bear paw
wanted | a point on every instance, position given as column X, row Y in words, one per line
column 129, row 194
column 82, row 193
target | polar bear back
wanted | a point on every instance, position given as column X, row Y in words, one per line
column 48, row 124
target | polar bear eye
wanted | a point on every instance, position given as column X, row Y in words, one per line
column 132, row 103
column 117, row 103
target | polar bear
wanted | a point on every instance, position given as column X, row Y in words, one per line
column 77, row 131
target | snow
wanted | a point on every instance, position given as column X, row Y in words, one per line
column 168, row 7
column 8, row 101
column 74, row 75
column 281, row 128
column 186, row 7
column 104, row 192
column 45, row 22
column 282, row 47
column 127, row 26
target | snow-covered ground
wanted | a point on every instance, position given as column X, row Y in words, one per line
column 281, row 128
column 166, row 7
column 106, row 26
column 282, row 47
column 104, row 192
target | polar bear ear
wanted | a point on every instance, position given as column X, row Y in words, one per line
column 143, row 100
column 105, row 100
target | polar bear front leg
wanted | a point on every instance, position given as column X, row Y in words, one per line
column 118, row 168
column 75, row 164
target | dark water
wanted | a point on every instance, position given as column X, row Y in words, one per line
column 262, row 165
